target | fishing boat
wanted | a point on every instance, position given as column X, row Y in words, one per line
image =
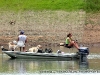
column 32, row 55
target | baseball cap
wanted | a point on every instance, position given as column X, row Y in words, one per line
column 21, row 32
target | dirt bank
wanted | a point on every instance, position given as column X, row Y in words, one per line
column 50, row 27
column 92, row 29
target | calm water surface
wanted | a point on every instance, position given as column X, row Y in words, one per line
column 49, row 67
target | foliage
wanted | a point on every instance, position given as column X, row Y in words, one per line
column 92, row 5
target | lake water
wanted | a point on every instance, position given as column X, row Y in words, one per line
column 49, row 67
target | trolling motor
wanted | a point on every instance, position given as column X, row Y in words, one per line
column 83, row 52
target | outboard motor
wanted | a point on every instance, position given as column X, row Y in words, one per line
column 83, row 52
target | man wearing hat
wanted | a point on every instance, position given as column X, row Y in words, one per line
column 22, row 39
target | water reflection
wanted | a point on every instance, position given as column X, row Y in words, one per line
column 28, row 65
column 23, row 66
column 84, row 65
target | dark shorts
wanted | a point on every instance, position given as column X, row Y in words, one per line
column 66, row 45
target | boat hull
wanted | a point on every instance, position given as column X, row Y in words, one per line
column 31, row 55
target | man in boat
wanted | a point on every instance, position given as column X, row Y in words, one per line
column 69, row 43
column 22, row 39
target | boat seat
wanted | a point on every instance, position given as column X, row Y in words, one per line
column 69, row 49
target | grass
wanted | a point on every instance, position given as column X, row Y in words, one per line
column 92, row 5
column 66, row 5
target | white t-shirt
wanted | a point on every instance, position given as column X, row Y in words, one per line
column 21, row 41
